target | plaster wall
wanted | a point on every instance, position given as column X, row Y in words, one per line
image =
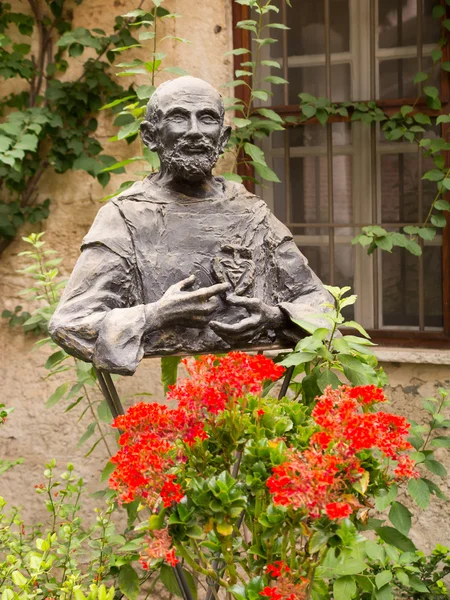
column 38, row 434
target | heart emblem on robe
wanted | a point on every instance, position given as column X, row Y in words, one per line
column 235, row 266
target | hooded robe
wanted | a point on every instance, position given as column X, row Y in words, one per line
column 147, row 239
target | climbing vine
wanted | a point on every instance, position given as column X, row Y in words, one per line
column 50, row 118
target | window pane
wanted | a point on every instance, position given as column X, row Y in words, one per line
column 307, row 31
column 319, row 260
column 313, row 135
column 398, row 23
column 400, row 288
column 432, row 266
column 399, row 188
column 309, row 189
column 397, row 77
column 313, row 81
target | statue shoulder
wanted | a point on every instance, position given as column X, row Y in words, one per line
column 109, row 230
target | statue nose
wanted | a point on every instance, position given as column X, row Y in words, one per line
column 193, row 129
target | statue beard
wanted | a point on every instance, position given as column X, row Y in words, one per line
column 190, row 161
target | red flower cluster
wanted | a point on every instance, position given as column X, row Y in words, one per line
column 318, row 480
column 286, row 588
column 159, row 545
column 277, row 569
column 151, row 432
column 214, row 380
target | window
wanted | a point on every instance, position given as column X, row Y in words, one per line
column 338, row 178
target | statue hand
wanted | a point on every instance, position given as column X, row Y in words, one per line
column 186, row 308
column 262, row 317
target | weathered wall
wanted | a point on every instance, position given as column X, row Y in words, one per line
column 39, row 434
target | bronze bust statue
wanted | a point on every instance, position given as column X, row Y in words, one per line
column 184, row 262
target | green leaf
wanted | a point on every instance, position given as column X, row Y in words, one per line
column 385, row 593
column 435, row 467
column 87, row 434
column 169, row 370
column 442, row 204
column 238, row 591
column 385, row 497
column 107, row 471
column 275, row 79
column 171, row 583
column 441, row 442
column 351, row 566
column 298, row 358
column 438, row 11
column 419, row 492
column 265, row 172
column 129, row 582
column 255, row 153
column 232, row 177
column 356, row 371
column 57, row 395
column 374, row 551
column 344, row 588
column 431, row 91
column 104, row 413
column 438, row 220
column 427, row 233
column 240, row 123
column 400, row 518
column 434, row 175
column 418, row 585
column 326, row 378
column 383, row 578
column 270, row 114
column 395, row 538
column 318, row 541
column 27, row 142
column 54, row 359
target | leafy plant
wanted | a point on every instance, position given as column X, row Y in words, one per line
column 81, row 386
column 52, row 123
column 329, row 357
column 7, row 464
column 66, row 558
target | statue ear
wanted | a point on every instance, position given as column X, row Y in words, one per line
column 148, row 135
column 224, row 137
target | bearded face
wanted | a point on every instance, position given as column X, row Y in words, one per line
column 189, row 159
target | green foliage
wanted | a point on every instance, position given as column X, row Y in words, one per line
column 53, row 122
column 66, row 557
column 81, row 388
column 327, row 357
column 130, row 110
column 5, row 465
column 250, row 124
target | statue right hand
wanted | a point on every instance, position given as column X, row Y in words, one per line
column 186, row 308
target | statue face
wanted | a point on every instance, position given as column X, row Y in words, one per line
column 188, row 134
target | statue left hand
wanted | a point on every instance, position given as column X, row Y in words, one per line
column 262, row 316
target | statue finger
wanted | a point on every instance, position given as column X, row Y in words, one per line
column 235, row 328
column 249, row 303
column 186, row 283
column 213, row 290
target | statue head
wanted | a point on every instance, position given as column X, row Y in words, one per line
column 184, row 125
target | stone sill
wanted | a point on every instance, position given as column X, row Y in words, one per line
column 424, row 356
column 388, row 354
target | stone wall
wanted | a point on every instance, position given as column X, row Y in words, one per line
column 38, row 434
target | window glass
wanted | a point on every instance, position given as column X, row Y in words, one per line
column 309, row 189
column 400, row 188
column 306, row 20
column 397, row 23
column 397, row 77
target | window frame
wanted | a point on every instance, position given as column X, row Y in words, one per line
column 381, row 336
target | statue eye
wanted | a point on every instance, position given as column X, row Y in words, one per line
column 208, row 120
column 178, row 118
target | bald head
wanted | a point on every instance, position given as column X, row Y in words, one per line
column 192, row 89
column 184, row 125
